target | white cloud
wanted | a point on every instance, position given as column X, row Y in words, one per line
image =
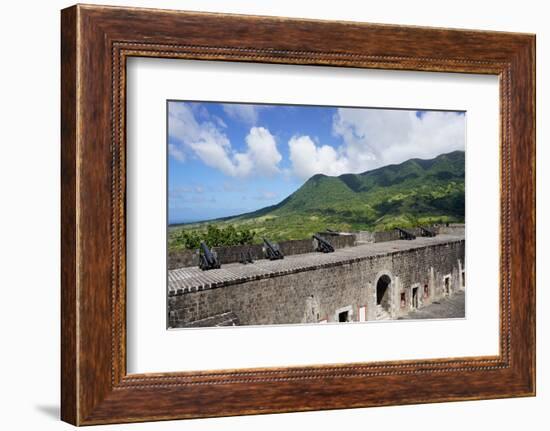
column 220, row 122
column 247, row 114
column 262, row 150
column 211, row 145
column 375, row 137
column 309, row 159
column 176, row 153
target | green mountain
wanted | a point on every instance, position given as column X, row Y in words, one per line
column 407, row 194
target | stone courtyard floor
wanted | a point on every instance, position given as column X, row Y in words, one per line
column 444, row 308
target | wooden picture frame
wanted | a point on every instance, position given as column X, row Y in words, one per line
column 95, row 43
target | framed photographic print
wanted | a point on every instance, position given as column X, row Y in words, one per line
column 340, row 172
column 265, row 215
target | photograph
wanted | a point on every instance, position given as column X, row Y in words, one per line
column 295, row 214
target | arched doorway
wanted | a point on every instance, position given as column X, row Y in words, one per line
column 383, row 297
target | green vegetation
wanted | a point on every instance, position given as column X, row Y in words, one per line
column 213, row 235
column 408, row 194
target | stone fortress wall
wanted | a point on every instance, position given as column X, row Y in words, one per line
column 369, row 281
column 231, row 254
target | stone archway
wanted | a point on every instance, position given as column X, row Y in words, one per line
column 383, row 292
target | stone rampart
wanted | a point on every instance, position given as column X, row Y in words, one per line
column 365, row 282
column 231, row 254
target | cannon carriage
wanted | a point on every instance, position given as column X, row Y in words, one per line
column 208, row 259
column 322, row 245
column 272, row 250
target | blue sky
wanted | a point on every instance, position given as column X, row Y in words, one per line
column 227, row 159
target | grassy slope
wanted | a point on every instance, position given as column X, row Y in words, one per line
column 413, row 192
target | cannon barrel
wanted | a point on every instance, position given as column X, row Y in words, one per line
column 207, row 259
column 405, row 234
column 323, row 245
column 272, row 251
column 246, row 257
column 427, row 232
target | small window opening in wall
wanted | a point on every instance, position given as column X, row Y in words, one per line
column 343, row 316
column 426, row 291
column 447, row 285
column 415, row 297
column 403, row 301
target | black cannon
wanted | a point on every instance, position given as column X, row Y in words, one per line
column 427, row 232
column 272, row 251
column 405, row 234
column 322, row 245
column 246, row 258
column 207, row 259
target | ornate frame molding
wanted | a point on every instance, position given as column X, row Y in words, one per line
column 96, row 41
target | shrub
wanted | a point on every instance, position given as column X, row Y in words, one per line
column 213, row 236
